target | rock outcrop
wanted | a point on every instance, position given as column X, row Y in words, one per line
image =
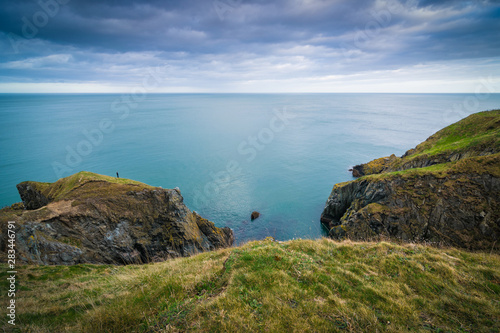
column 376, row 166
column 89, row 218
column 434, row 193
column 31, row 196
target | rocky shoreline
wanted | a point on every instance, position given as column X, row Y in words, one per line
column 444, row 191
column 90, row 218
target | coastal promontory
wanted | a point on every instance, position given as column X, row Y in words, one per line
column 444, row 191
column 90, row 218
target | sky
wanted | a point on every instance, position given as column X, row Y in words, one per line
column 250, row 46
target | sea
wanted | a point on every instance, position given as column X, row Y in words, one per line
column 229, row 154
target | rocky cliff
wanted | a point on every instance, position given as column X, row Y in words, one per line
column 445, row 190
column 89, row 218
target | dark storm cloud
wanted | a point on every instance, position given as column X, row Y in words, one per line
column 108, row 25
column 85, row 40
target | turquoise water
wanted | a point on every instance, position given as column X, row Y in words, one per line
column 279, row 154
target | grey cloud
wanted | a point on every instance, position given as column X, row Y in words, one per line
column 309, row 38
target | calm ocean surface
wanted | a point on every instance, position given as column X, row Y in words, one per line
column 279, row 154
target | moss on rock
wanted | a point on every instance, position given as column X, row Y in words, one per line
column 452, row 199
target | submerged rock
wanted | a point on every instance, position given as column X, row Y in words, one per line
column 89, row 218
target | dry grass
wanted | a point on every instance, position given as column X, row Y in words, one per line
column 266, row 286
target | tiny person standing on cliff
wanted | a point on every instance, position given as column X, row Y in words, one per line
column 117, row 175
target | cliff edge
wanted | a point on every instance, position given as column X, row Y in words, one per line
column 90, row 218
column 444, row 191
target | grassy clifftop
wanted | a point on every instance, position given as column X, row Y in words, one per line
column 478, row 132
column 475, row 135
column 266, row 286
column 474, row 165
column 83, row 183
column 444, row 191
column 90, row 218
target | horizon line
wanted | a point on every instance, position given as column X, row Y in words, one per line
column 236, row 93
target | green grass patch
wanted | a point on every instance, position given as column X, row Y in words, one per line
column 85, row 184
column 475, row 135
column 474, row 165
column 476, row 132
column 297, row 286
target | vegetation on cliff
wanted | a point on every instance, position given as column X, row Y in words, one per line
column 478, row 132
column 90, row 218
column 445, row 190
column 296, row 286
column 78, row 187
column 476, row 135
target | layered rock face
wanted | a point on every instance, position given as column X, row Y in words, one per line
column 446, row 191
column 89, row 218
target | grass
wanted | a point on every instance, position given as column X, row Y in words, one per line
column 478, row 131
column 265, row 286
column 77, row 186
column 473, row 165
column 475, row 135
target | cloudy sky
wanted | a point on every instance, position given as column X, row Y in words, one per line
column 249, row 45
